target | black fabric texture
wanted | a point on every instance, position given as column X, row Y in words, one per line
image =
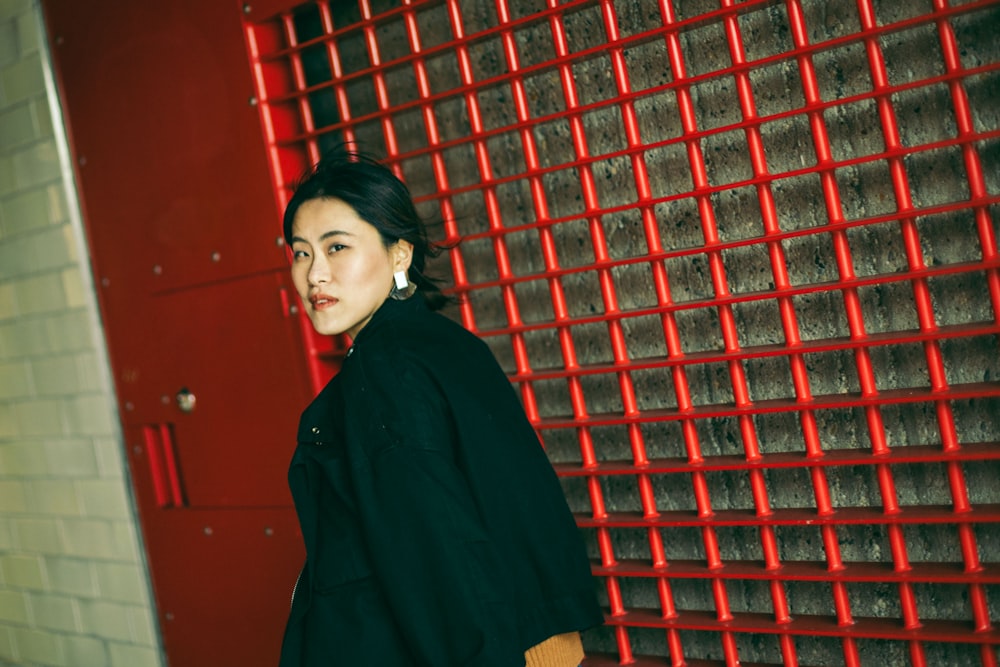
column 436, row 531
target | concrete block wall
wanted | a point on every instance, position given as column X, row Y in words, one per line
column 74, row 589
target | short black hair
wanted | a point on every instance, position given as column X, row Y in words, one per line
column 380, row 199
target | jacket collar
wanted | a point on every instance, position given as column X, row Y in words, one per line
column 390, row 312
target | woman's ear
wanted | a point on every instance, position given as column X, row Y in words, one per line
column 402, row 255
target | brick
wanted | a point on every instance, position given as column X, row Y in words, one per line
column 37, row 164
column 39, row 417
column 23, row 571
column 107, row 620
column 24, row 338
column 10, row 9
column 23, row 79
column 39, row 646
column 8, row 421
column 6, row 643
column 6, row 534
column 103, row 499
column 143, row 625
column 71, row 332
column 40, row 294
column 125, row 655
column 8, row 307
column 90, row 372
column 85, row 652
column 54, row 612
column 122, row 582
column 59, row 214
column 17, row 258
column 55, row 375
column 37, row 535
column 126, row 540
column 73, row 288
column 42, row 114
column 69, row 237
column 14, row 606
column 48, row 245
column 28, row 209
column 14, row 380
column 110, row 459
column 23, row 459
column 88, row 539
column 13, row 498
column 27, row 32
column 91, row 415
column 53, row 497
column 8, row 42
column 71, row 576
column 17, row 125
column 8, row 180
column 71, row 458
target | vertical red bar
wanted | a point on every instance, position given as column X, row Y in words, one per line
column 970, row 153
column 301, row 99
column 157, row 472
column 337, row 74
column 988, row 245
column 831, row 200
column 381, row 89
column 459, row 275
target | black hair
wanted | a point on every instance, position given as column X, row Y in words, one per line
column 380, row 199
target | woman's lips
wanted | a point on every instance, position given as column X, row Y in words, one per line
column 322, row 301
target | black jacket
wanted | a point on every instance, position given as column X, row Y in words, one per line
column 436, row 531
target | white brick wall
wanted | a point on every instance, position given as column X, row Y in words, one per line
column 74, row 590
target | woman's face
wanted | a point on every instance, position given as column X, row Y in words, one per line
column 340, row 267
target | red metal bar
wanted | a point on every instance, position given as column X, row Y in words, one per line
column 820, row 626
column 846, row 516
column 337, row 71
column 298, row 73
column 157, row 472
column 171, row 466
column 452, row 235
column 988, row 244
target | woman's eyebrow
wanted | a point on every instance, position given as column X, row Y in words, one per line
column 334, row 232
column 324, row 236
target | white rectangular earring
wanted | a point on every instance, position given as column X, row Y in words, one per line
column 401, row 281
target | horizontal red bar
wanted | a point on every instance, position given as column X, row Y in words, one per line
column 980, row 451
column 930, row 514
column 906, row 337
column 609, row 660
column 847, row 400
column 824, row 626
column 929, row 573
column 616, row 101
column 741, row 297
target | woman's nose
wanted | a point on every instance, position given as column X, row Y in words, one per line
column 319, row 272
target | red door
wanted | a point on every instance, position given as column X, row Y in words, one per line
column 193, row 284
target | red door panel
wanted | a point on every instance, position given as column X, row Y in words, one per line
column 170, row 156
column 182, row 228
column 231, row 349
column 227, row 605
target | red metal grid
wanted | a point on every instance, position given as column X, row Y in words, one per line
column 285, row 95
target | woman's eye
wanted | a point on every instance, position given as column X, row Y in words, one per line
column 299, row 254
column 336, row 247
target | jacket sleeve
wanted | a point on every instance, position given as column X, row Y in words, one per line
column 430, row 551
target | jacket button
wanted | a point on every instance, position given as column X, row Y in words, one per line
column 315, row 429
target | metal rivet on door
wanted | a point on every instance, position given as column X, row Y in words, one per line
column 186, row 400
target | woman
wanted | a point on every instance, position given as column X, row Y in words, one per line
column 436, row 532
